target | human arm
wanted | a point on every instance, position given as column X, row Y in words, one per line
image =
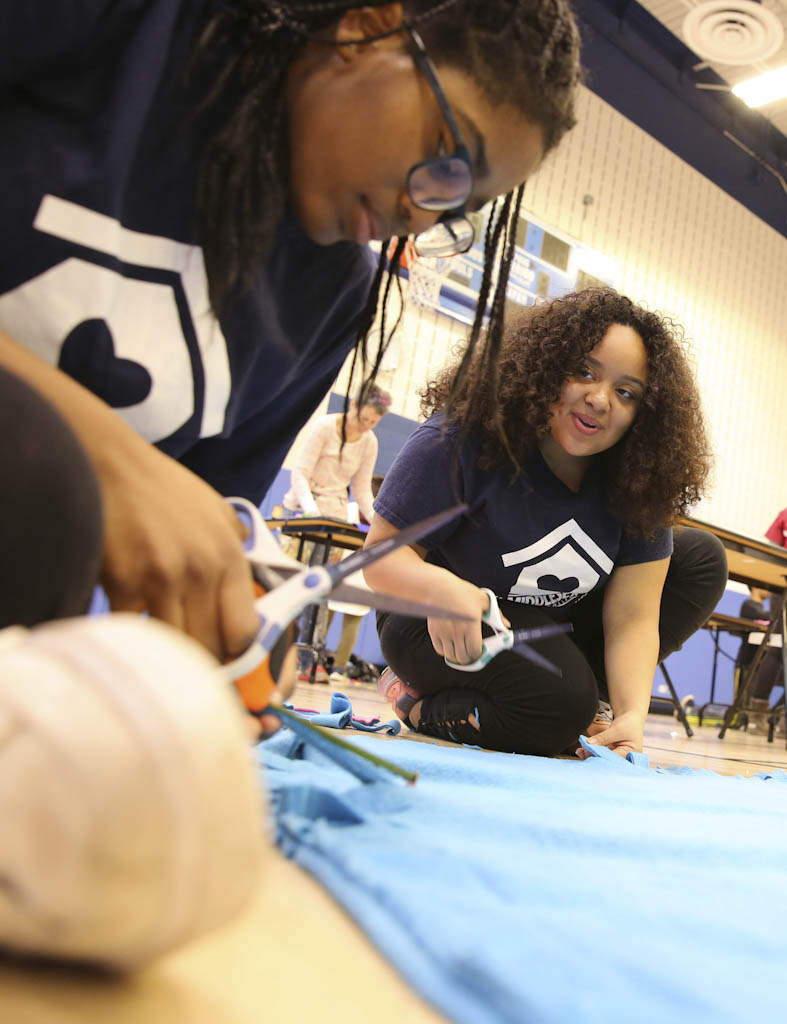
column 406, row 574
column 171, row 545
column 632, row 602
column 362, row 478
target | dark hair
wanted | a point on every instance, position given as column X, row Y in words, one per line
column 657, row 470
column 246, row 51
column 375, row 396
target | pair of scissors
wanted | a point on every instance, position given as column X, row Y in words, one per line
column 506, row 639
column 289, row 586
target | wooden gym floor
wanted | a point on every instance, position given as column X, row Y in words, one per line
column 294, row 955
column 666, row 742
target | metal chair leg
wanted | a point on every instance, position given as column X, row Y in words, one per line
column 678, row 706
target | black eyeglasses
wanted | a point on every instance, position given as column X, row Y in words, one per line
column 442, row 182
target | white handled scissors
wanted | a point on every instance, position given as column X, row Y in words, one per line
column 504, row 639
column 291, row 586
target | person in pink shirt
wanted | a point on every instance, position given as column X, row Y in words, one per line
column 777, row 531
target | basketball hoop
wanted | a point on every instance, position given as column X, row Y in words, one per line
column 424, row 284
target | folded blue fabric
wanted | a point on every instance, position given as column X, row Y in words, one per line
column 341, row 717
column 523, row 889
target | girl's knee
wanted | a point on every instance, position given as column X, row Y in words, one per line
column 698, row 559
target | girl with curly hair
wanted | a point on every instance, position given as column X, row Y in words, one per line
column 574, row 473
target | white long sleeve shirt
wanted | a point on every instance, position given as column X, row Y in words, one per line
column 321, row 474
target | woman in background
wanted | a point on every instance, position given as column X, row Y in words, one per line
column 338, row 452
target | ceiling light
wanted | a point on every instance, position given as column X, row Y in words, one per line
column 762, row 89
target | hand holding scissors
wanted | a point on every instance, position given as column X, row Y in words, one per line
column 290, row 587
column 504, row 638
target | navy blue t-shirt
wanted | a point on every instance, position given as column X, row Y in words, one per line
column 100, row 273
column 528, row 538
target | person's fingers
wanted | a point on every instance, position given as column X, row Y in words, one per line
column 167, row 605
column 616, row 737
column 603, row 738
column 469, row 644
column 200, row 615
column 219, row 593
column 122, row 600
column 620, row 747
column 474, row 644
column 237, row 621
column 458, row 642
column 455, row 648
column 435, row 635
column 238, row 526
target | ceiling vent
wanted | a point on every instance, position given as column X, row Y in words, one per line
column 732, row 31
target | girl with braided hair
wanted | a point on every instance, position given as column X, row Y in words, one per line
column 574, row 479
column 188, row 190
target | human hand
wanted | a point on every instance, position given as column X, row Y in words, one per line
column 623, row 735
column 453, row 639
column 261, row 726
column 172, row 547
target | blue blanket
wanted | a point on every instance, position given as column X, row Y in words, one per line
column 522, row 889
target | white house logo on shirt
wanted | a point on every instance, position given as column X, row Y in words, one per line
column 559, row 568
column 137, row 316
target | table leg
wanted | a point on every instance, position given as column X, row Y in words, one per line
column 710, row 702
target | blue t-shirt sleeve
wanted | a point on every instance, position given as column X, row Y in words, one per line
column 634, row 550
column 423, row 481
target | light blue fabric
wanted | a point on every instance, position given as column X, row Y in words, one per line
column 521, row 889
column 341, row 717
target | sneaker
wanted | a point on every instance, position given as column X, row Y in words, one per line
column 757, row 713
column 689, row 705
column 362, row 671
column 399, row 695
column 603, row 712
column 338, row 679
column 122, row 748
column 320, row 675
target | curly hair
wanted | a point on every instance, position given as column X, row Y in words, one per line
column 657, row 471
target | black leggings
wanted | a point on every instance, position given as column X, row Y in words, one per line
column 50, row 515
column 769, row 674
column 523, row 708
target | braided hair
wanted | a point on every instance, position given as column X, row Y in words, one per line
column 247, row 50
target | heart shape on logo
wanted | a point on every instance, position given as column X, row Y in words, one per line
column 559, row 586
column 88, row 355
